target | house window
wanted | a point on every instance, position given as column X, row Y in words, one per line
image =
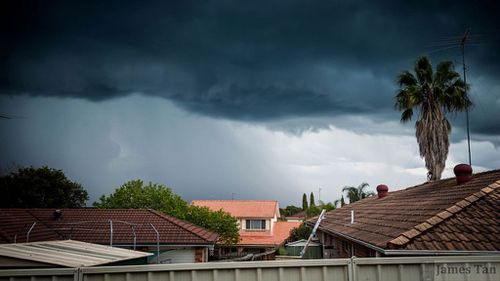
column 256, row 224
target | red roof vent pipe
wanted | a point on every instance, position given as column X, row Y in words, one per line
column 463, row 173
column 382, row 190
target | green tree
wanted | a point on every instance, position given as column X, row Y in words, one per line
column 357, row 193
column 218, row 221
column 339, row 202
column 326, row 206
column 134, row 194
column 433, row 95
column 301, row 232
column 289, row 210
column 40, row 188
column 304, row 202
column 311, row 200
column 313, row 211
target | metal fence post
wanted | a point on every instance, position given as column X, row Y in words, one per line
column 29, row 232
column 157, row 243
column 351, row 270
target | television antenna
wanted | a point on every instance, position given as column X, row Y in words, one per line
column 462, row 43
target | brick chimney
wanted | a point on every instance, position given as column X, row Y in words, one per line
column 463, row 173
column 382, row 190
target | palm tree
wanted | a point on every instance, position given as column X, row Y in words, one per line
column 433, row 95
column 357, row 193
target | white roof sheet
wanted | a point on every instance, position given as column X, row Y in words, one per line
column 70, row 253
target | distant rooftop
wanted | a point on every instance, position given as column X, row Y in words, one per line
column 242, row 208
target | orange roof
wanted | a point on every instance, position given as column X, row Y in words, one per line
column 281, row 233
column 241, row 208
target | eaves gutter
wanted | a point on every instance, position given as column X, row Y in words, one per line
column 439, row 253
column 368, row 245
column 163, row 245
column 412, row 252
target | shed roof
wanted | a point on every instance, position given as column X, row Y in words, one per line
column 101, row 226
column 242, row 208
column 68, row 253
column 436, row 216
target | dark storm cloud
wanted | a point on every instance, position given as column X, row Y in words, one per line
column 246, row 60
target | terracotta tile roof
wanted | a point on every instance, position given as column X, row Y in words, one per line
column 297, row 216
column 93, row 226
column 281, row 232
column 438, row 215
column 242, row 208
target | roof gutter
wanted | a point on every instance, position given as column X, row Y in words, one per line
column 371, row 246
column 439, row 253
column 413, row 252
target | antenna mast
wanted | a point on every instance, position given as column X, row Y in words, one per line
column 462, row 43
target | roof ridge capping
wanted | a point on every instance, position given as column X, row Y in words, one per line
column 419, row 229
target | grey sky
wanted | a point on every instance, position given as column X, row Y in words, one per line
column 234, row 96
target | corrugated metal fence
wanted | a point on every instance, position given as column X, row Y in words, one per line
column 355, row 269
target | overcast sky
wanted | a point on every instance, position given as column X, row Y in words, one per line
column 251, row 99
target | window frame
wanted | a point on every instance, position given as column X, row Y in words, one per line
column 250, row 226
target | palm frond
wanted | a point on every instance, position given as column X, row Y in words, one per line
column 406, row 79
column 406, row 115
column 423, row 70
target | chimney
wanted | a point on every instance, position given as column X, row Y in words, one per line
column 57, row 214
column 463, row 173
column 382, row 190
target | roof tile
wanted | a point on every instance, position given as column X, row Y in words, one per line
column 427, row 216
column 94, row 226
column 242, row 208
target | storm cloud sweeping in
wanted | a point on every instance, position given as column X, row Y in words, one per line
column 263, row 99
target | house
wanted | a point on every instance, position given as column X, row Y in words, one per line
column 170, row 240
column 66, row 253
column 300, row 217
column 260, row 229
column 455, row 216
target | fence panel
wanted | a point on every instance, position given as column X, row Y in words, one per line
column 294, row 270
column 427, row 268
column 355, row 269
column 59, row 274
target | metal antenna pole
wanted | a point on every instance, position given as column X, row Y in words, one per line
column 464, row 39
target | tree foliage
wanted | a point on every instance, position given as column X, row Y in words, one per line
column 134, row 194
column 218, row 221
column 40, row 188
column 289, row 210
column 301, row 232
column 339, row 202
column 304, row 202
column 357, row 193
column 432, row 95
column 315, row 210
column 311, row 200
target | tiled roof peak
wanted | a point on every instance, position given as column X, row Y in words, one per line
column 407, row 236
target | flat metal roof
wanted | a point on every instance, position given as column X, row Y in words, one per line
column 70, row 253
